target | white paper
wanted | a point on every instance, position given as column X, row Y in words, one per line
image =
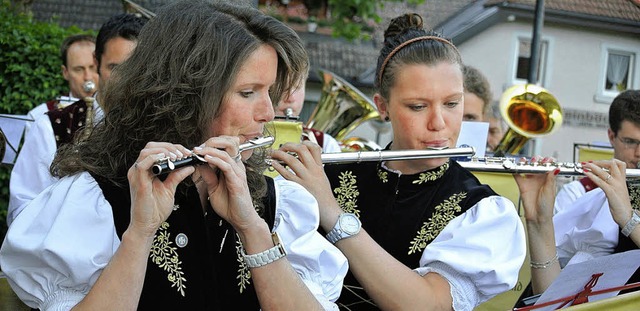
column 474, row 134
column 13, row 127
column 616, row 269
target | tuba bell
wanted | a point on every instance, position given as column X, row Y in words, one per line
column 341, row 109
column 530, row 111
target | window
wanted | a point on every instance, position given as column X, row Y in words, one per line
column 618, row 72
column 522, row 68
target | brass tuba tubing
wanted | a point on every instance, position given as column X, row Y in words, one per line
column 165, row 165
column 394, row 155
column 510, row 166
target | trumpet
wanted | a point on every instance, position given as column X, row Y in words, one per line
column 166, row 165
column 511, row 166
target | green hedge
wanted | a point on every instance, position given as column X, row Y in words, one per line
column 30, row 73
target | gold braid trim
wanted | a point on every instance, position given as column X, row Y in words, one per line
column 165, row 256
column 347, row 193
column 443, row 214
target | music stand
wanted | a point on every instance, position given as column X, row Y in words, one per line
column 12, row 126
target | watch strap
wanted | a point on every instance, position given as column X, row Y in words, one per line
column 266, row 257
column 631, row 224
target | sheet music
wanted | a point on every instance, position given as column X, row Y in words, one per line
column 474, row 134
column 13, row 127
column 616, row 269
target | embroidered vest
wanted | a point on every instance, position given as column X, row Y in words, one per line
column 402, row 213
column 195, row 261
column 67, row 121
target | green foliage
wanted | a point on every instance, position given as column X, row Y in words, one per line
column 30, row 72
column 352, row 18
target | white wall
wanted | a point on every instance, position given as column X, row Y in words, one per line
column 573, row 74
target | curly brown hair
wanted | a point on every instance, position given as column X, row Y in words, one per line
column 173, row 85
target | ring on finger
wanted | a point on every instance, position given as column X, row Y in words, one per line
column 608, row 177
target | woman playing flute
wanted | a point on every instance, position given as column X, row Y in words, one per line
column 428, row 226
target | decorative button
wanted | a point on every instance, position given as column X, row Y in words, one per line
column 182, row 240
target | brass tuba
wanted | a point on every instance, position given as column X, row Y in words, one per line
column 530, row 111
column 341, row 107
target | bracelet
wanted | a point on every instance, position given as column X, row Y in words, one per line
column 631, row 224
column 544, row 265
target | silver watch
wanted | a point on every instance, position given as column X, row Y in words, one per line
column 347, row 226
column 266, row 257
column 631, row 224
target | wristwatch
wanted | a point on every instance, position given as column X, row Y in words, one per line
column 347, row 226
column 266, row 257
column 631, row 224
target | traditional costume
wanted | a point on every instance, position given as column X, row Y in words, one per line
column 441, row 220
column 56, row 249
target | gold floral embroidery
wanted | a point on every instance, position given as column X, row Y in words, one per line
column 244, row 274
column 383, row 175
column 347, row 193
column 165, row 256
column 634, row 195
column 430, row 176
column 443, row 213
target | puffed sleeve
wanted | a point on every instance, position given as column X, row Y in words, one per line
column 30, row 174
column 479, row 252
column 57, row 247
column 585, row 229
column 321, row 265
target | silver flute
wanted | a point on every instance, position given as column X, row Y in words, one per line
column 513, row 166
column 166, row 165
column 395, row 155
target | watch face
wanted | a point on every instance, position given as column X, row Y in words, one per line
column 350, row 224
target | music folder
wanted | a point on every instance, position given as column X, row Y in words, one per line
column 589, row 281
column 13, row 127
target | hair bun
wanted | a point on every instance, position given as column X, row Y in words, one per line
column 403, row 23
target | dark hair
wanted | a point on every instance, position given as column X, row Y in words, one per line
column 406, row 42
column 476, row 83
column 625, row 107
column 126, row 26
column 69, row 41
column 173, row 85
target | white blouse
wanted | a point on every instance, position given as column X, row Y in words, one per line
column 479, row 252
column 584, row 227
column 58, row 245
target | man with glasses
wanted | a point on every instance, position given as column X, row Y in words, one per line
column 624, row 136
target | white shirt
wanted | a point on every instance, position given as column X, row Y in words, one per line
column 30, row 174
column 584, row 227
column 330, row 144
column 59, row 244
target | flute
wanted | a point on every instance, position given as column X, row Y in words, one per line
column 164, row 166
column 511, row 166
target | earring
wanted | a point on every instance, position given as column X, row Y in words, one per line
column 386, row 118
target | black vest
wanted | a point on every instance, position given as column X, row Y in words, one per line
column 204, row 274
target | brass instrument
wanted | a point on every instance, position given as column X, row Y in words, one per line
column 530, row 111
column 341, row 108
